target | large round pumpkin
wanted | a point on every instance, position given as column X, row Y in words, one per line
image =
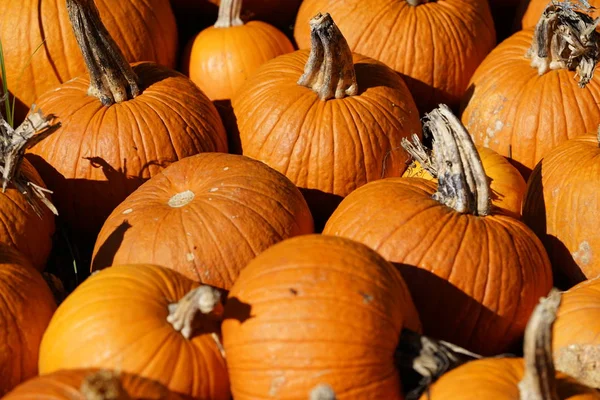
column 41, row 52
column 330, row 120
column 90, row 384
column 435, row 45
column 121, row 318
column 523, row 103
column 125, row 128
column 27, row 306
column 474, row 275
column 205, row 216
column 316, row 310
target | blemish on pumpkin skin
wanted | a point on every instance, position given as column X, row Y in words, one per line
column 181, row 199
column 226, row 168
column 583, row 256
column 213, row 189
column 367, row 298
column 190, row 257
column 276, row 384
column 128, row 211
column 490, row 132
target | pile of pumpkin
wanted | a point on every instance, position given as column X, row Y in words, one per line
column 272, row 223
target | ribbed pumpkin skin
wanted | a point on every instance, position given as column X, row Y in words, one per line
column 316, row 310
column 221, row 59
column 21, row 227
column 127, row 142
column 240, row 208
column 117, row 319
column 522, row 115
column 497, row 379
column 535, row 9
column 65, row 385
column 507, row 185
column 563, row 209
column 28, row 305
column 474, row 280
column 436, row 46
column 331, row 146
column 144, row 30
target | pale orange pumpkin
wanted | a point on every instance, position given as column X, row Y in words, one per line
column 136, row 319
column 220, row 58
column 41, row 53
column 475, row 275
column 316, row 310
column 27, row 308
column 435, row 45
column 205, row 216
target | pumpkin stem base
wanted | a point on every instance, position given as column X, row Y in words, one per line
column 13, row 144
column 229, row 14
column 103, row 385
column 183, row 315
column 322, row 392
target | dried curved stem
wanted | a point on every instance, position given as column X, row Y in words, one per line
column 420, row 153
column 229, row 14
column 322, row 392
column 539, row 381
column 565, row 38
column 112, row 79
column 462, row 183
column 183, row 315
column 103, row 385
column 330, row 68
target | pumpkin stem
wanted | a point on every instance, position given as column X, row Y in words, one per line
column 415, row 3
column 329, row 70
column 103, row 385
column 111, row 77
column 565, row 38
column 539, row 381
column 229, row 14
column 462, row 183
column 420, row 153
column 322, row 392
column 183, row 315
column 13, row 144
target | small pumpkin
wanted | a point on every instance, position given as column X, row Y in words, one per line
column 535, row 8
column 524, row 100
column 28, row 305
column 119, row 127
column 91, row 384
column 316, row 310
column 530, row 378
column 507, row 186
column 220, row 58
column 329, row 119
column 475, row 275
column 138, row 319
column 205, row 216
column 435, row 45
column 41, row 54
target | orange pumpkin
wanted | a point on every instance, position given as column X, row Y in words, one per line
column 125, row 128
column 524, row 99
column 331, row 129
column 316, row 310
column 41, row 53
column 436, row 45
column 27, row 308
column 220, row 58
column 459, row 258
column 205, row 216
column 88, row 384
column 506, row 183
column 531, row 377
column 535, row 8
column 127, row 318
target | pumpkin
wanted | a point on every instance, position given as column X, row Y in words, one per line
column 535, row 8
column 134, row 121
column 90, row 384
column 205, row 216
column 223, row 56
column 435, row 45
column 329, row 119
column 41, row 53
column 524, row 100
column 475, row 275
column 562, row 206
column 532, row 377
column 316, row 310
column 575, row 333
column 136, row 319
column 506, row 183
column 27, row 308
